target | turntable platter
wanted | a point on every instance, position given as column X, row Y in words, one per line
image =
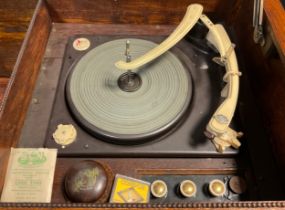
column 162, row 95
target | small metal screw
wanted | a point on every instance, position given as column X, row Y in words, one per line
column 86, row 146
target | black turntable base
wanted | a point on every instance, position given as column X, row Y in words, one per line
column 177, row 112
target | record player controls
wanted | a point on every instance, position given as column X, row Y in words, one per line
column 217, row 188
column 64, row 134
column 188, row 188
column 158, row 189
column 86, row 181
column 237, row 184
column 81, row 44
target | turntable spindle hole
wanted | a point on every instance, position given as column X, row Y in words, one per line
column 129, row 81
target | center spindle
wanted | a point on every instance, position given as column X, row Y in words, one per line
column 129, row 81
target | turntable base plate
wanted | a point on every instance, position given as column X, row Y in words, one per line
column 185, row 139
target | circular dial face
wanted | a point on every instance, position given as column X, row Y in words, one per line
column 106, row 109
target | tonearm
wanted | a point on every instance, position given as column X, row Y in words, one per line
column 218, row 129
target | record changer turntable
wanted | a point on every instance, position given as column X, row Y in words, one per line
column 156, row 101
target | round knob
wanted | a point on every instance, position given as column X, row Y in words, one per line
column 86, row 181
column 237, row 184
column 158, row 189
column 217, row 188
column 188, row 188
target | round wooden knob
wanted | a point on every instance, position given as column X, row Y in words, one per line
column 237, row 184
column 86, row 181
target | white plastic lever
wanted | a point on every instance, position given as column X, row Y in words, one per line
column 218, row 125
column 191, row 17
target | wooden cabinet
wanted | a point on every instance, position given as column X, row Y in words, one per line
column 33, row 36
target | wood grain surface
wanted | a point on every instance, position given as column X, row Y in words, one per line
column 19, row 86
column 14, row 21
column 275, row 13
column 23, row 77
column 3, row 84
column 267, row 76
column 132, row 12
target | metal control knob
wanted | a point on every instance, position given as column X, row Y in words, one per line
column 188, row 188
column 158, row 189
column 217, row 188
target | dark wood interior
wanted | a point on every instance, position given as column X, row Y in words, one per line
column 14, row 22
column 33, row 35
